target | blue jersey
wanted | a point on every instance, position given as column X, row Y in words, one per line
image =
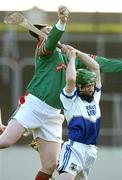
column 83, row 117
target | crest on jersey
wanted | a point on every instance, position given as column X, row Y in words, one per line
column 73, row 167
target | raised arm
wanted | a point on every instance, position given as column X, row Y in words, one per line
column 70, row 70
column 90, row 63
column 55, row 34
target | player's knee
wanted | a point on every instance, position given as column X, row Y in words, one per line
column 50, row 166
column 53, row 166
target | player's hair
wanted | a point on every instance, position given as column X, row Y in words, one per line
column 85, row 77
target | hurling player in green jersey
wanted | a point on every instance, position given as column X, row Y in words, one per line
column 39, row 110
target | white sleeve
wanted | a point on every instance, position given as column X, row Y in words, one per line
column 97, row 94
column 60, row 26
column 68, row 99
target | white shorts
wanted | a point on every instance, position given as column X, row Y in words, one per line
column 44, row 120
column 77, row 159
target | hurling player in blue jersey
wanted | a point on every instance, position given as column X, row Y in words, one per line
column 80, row 98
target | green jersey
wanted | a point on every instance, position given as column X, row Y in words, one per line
column 50, row 65
column 108, row 65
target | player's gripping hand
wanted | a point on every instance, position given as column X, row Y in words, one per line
column 63, row 14
column 69, row 50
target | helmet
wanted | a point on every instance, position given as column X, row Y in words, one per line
column 38, row 26
column 85, row 77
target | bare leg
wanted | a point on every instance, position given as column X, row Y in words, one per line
column 49, row 155
column 12, row 134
